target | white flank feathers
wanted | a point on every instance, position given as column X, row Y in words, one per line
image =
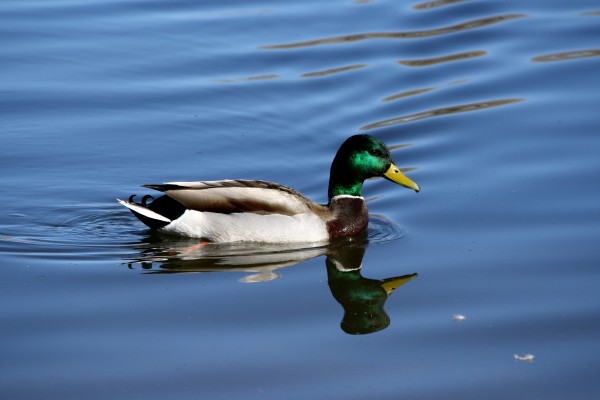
column 250, row 227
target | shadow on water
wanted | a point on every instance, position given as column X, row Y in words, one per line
column 362, row 298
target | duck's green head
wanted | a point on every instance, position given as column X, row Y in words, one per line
column 361, row 157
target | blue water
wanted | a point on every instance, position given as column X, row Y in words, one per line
column 491, row 106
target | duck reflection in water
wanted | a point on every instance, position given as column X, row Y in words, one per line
column 362, row 298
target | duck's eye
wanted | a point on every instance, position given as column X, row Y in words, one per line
column 375, row 153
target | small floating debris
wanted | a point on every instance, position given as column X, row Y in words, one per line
column 526, row 357
column 458, row 317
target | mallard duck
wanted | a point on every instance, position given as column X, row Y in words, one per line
column 259, row 211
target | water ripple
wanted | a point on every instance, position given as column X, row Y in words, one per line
column 567, row 55
column 435, row 4
column 264, row 77
column 443, row 59
column 416, row 92
column 68, row 231
column 474, row 24
column 440, row 112
column 330, row 71
column 101, row 231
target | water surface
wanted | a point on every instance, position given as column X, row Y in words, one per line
column 491, row 106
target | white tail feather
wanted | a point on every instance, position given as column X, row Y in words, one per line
column 144, row 211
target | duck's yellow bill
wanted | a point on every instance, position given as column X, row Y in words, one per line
column 395, row 175
column 391, row 284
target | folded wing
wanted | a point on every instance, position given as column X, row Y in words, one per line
column 232, row 196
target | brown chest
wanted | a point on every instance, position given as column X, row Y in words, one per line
column 350, row 216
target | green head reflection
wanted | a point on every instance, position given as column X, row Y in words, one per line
column 362, row 298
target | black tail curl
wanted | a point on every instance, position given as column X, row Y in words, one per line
column 144, row 202
column 163, row 205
